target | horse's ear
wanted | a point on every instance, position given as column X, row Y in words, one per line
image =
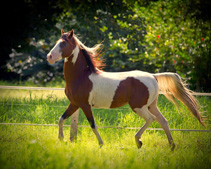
column 71, row 33
column 62, row 31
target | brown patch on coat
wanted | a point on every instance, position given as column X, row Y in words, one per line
column 131, row 91
column 78, row 84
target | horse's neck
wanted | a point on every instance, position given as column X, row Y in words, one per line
column 72, row 71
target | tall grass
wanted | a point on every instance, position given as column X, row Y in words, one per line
column 38, row 146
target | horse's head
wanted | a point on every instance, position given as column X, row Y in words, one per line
column 63, row 47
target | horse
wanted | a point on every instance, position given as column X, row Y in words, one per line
column 88, row 86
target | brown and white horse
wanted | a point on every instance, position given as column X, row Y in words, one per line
column 87, row 86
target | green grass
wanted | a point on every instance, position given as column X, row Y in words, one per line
column 57, row 82
column 38, row 146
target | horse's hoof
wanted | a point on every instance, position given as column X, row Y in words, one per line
column 101, row 145
column 139, row 144
column 73, row 139
column 61, row 138
column 173, row 146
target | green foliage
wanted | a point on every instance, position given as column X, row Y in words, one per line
column 176, row 41
column 32, row 65
column 167, row 36
column 153, row 36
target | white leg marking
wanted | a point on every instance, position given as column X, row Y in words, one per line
column 145, row 114
column 162, row 121
column 148, row 117
column 61, row 122
column 98, row 136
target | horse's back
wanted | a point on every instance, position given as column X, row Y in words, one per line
column 111, row 90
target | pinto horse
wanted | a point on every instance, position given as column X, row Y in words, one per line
column 88, row 86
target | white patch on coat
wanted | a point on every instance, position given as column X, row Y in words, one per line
column 105, row 85
column 103, row 90
column 75, row 54
column 55, row 54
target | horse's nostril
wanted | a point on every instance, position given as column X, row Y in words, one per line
column 49, row 56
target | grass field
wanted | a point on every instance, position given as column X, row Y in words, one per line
column 38, row 146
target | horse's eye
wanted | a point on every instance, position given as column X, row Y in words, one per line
column 63, row 44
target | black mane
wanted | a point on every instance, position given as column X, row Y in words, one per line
column 89, row 61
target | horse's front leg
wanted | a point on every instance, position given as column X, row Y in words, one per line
column 70, row 110
column 88, row 113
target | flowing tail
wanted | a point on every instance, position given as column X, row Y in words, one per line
column 170, row 85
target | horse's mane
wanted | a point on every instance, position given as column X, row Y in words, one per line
column 92, row 55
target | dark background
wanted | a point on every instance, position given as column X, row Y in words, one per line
column 30, row 29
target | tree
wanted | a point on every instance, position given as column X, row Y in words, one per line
column 154, row 36
column 178, row 39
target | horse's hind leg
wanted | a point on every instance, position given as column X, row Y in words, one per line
column 162, row 121
column 70, row 110
column 148, row 117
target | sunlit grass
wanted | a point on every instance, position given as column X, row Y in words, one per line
column 39, row 147
column 32, row 94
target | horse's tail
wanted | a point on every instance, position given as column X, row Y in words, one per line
column 170, row 85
